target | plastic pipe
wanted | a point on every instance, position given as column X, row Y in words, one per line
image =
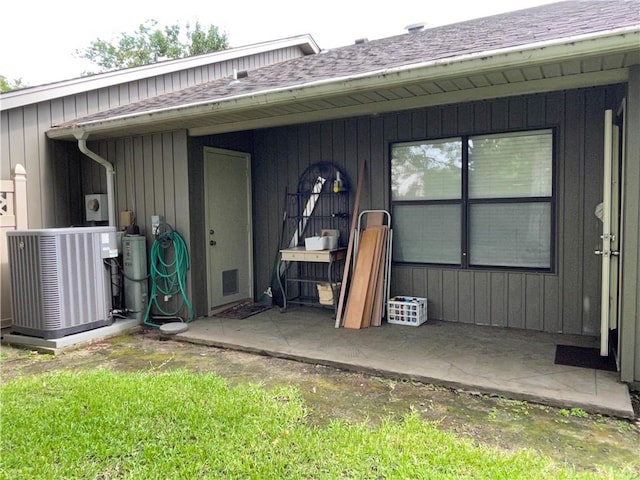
column 111, row 207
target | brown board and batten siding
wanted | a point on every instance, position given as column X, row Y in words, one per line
column 566, row 300
column 152, row 179
column 630, row 301
column 55, row 192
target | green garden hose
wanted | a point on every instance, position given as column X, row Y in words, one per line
column 169, row 265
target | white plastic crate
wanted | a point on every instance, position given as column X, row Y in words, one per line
column 407, row 311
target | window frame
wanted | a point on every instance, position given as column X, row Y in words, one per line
column 465, row 202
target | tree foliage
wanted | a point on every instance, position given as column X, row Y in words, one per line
column 7, row 85
column 150, row 43
column 427, row 170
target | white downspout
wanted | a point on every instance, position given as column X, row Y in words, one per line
column 111, row 207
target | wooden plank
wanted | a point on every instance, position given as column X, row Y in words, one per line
column 481, row 298
column 533, row 302
column 120, row 180
column 499, row 299
column 515, row 309
column 352, row 232
column 374, row 219
column 401, row 279
column 570, row 239
column 377, row 183
column 138, row 175
column 378, row 308
column 466, row 297
column 517, row 109
column 378, row 305
column 630, row 306
column 356, row 303
column 434, row 293
column 169, row 164
column 449, row 299
column 373, row 279
column 158, row 172
column 551, row 304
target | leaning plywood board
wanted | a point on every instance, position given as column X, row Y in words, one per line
column 374, row 218
column 347, row 264
column 357, row 298
column 378, row 308
column 373, row 280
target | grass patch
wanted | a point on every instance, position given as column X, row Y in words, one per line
column 104, row 424
column 31, row 354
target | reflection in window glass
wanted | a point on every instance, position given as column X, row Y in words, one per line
column 511, row 165
column 426, row 170
column 491, row 195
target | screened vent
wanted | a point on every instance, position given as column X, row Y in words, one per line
column 230, row 282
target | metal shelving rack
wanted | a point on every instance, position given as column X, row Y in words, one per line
column 318, row 204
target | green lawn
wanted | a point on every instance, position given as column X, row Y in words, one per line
column 179, row 425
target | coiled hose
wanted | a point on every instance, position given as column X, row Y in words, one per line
column 169, row 265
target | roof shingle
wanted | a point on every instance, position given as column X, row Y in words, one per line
column 524, row 27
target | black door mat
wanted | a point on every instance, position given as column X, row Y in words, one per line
column 243, row 310
column 584, row 357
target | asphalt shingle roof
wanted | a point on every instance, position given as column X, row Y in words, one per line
column 512, row 29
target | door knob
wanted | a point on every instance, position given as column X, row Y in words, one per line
column 211, row 232
column 212, row 242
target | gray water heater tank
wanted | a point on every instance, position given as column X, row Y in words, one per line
column 134, row 264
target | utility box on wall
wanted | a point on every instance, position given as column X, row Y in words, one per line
column 96, row 207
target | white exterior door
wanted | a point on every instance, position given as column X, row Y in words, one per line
column 609, row 213
column 227, row 187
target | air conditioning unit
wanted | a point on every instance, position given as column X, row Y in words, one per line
column 60, row 284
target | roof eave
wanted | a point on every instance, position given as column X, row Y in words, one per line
column 41, row 93
column 535, row 53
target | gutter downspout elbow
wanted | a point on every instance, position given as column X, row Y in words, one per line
column 111, row 207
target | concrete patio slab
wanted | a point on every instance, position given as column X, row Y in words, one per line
column 514, row 363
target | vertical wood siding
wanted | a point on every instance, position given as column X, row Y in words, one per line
column 565, row 301
column 151, row 178
column 630, row 306
column 50, row 165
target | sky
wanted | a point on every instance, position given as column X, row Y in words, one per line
column 38, row 39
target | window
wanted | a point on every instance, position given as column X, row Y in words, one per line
column 474, row 201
